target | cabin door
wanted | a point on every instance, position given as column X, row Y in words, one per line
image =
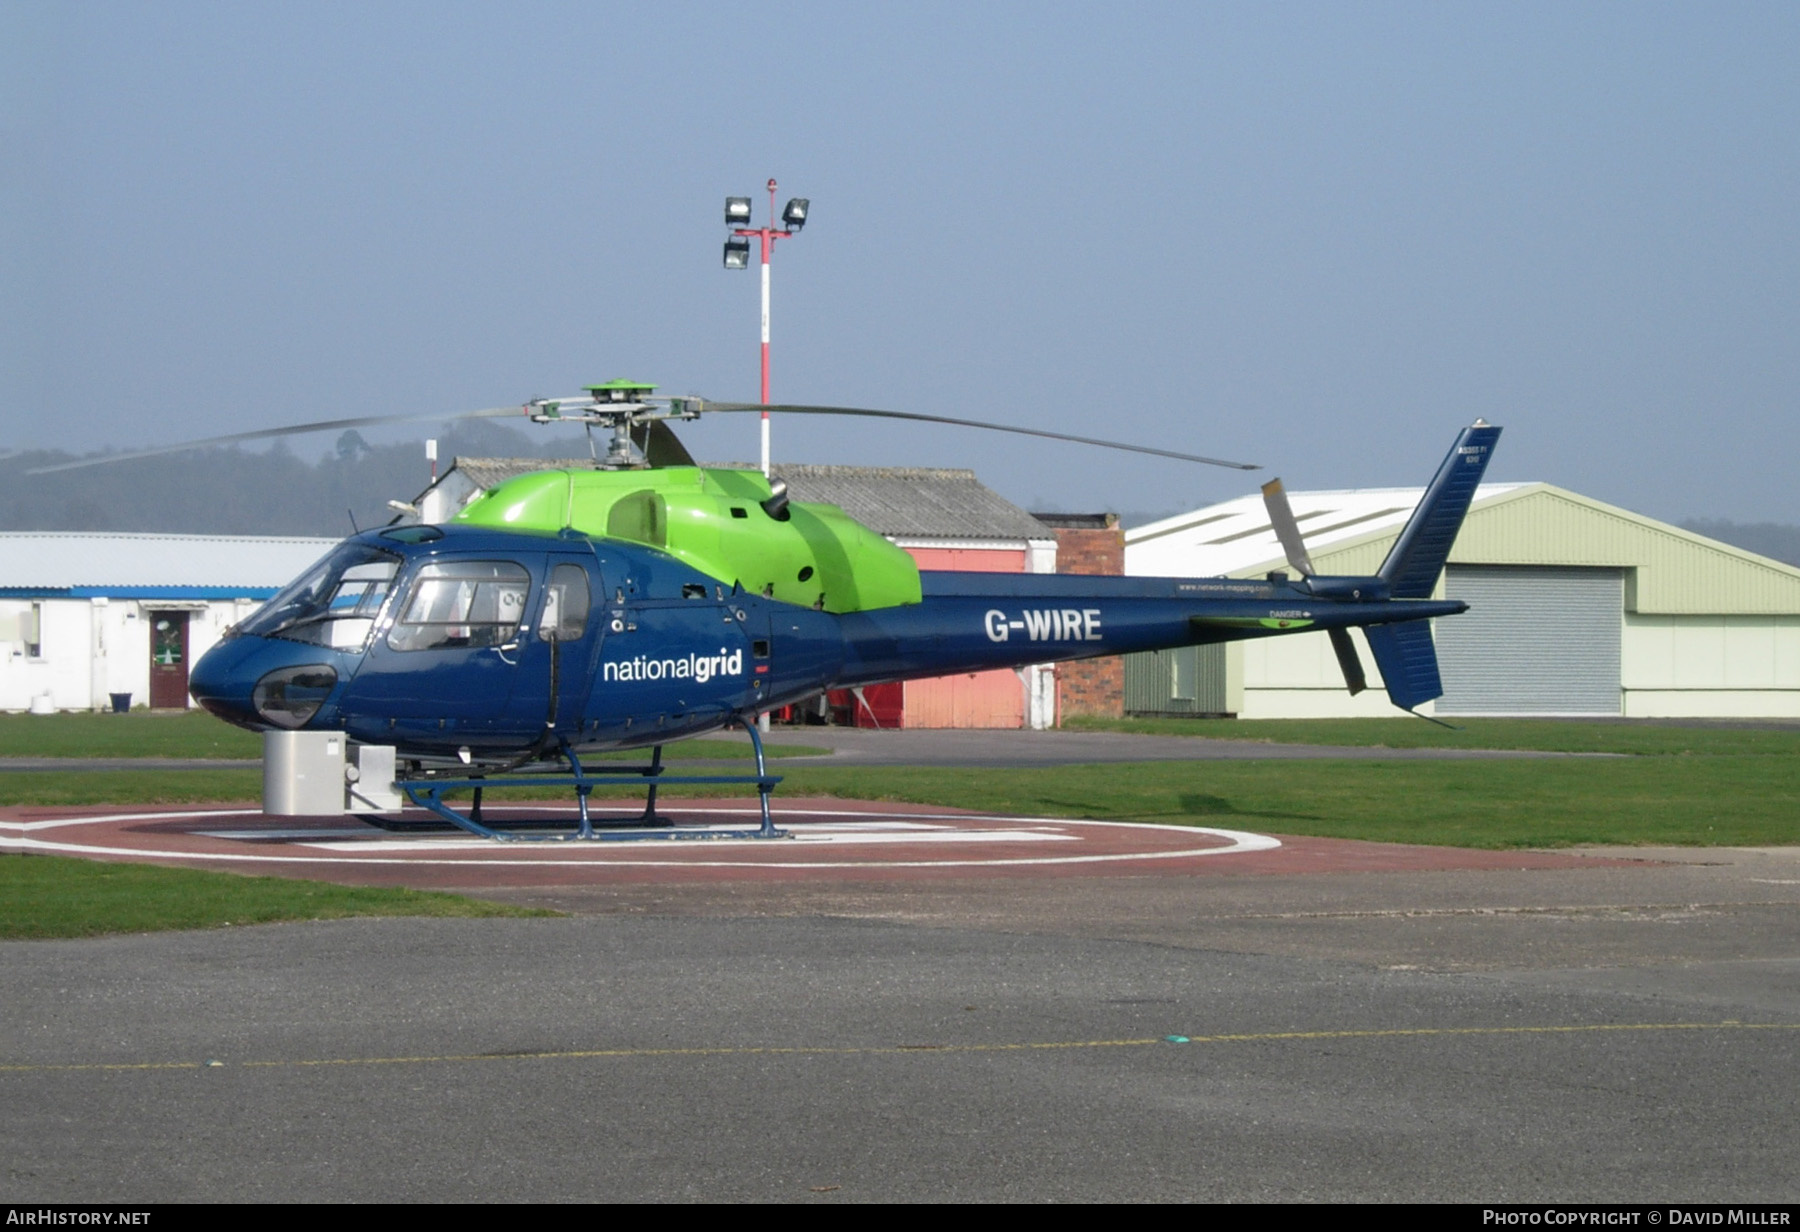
column 556, row 650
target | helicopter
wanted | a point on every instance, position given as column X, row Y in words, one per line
column 645, row 599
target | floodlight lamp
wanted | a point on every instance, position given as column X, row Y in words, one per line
column 794, row 215
column 737, row 211
column 737, row 253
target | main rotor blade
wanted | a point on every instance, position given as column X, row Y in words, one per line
column 1281, row 520
column 787, row 409
column 263, row 434
column 1348, row 660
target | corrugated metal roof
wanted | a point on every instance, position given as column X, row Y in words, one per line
column 487, row 473
column 68, row 561
column 901, row 502
column 915, row 502
column 1236, row 535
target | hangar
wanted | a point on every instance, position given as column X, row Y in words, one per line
column 1576, row 608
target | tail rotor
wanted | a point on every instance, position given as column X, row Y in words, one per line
column 1287, row 529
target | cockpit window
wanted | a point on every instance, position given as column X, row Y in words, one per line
column 414, row 533
column 464, row 603
column 335, row 603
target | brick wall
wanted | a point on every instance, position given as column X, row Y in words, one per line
column 1091, row 686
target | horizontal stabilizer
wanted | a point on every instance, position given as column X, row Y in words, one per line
column 1408, row 661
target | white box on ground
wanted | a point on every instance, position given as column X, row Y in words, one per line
column 303, row 774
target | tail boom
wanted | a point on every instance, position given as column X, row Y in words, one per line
column 979, row 621
column 1014, row 624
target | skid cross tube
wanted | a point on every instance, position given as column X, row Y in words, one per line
column 428, row 794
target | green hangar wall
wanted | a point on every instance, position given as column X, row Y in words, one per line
column 1576, row 608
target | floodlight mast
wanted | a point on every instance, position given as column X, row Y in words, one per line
column 737, row 256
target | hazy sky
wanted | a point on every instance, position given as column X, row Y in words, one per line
column 1321, row 237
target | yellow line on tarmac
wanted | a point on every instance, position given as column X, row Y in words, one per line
column 1380, row 1033
column 895, row 1049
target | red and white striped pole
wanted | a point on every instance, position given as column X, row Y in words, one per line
column 768, row 242
column 765, row 236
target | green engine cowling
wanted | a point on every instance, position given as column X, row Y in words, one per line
column 713, row 520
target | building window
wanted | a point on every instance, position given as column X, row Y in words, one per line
column 166, row 638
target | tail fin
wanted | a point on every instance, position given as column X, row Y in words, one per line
column 1408, row 662
column 1418, row 555
column 1404, row 651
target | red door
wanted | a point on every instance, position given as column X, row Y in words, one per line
column 168, row 660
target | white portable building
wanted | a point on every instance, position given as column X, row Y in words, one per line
column 84, row 617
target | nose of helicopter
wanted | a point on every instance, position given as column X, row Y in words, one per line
column 224, row 680
column 263, row 683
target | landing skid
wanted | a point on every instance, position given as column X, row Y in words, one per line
column 428, row 794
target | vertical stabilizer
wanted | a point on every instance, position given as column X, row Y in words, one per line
column 1418, row 555
column 1408, row 661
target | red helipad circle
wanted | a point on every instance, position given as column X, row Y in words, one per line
column 823, row 837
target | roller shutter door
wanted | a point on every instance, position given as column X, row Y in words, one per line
column 1535, row 640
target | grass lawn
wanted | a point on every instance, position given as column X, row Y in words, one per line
column 50, row 896
column 141, row 733
column 1728, row 800
column 1548, row 735
column 128, row 787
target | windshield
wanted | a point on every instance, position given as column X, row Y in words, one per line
column 333, row 604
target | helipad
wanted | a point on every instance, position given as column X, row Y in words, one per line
column 827, row 839
column 823, row 836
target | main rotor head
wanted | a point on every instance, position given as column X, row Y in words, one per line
column 631, row 413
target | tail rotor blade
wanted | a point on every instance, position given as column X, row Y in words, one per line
column 1281, row 519
column 1287, row 529
column 1349, row 661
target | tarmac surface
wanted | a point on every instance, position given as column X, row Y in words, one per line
column 1329, row 1022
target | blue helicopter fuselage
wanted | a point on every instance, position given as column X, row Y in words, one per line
column 496, row 645
column 438, row 640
